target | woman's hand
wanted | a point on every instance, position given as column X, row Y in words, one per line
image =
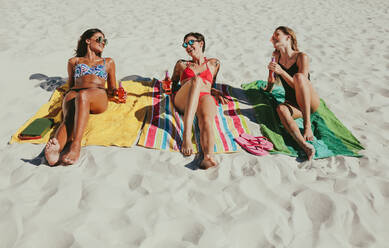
column 113, row 95
column 308, row 134
column 273, row 66
column 112, row 92
column 219, row 96
column 269, row 86
column 125, row 95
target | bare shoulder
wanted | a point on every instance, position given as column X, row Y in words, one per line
column 181, row 63
column 215, row 62
column 110, row 64
column 109, row 61
column 302, row 56
column 73, row 61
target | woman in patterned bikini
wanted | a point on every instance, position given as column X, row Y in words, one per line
column 197, row 96
column 292, row 67
column 87, row 72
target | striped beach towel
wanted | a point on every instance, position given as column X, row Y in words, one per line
column 164, row 125
column 331, row 137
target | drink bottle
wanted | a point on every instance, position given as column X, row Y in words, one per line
column 121, row 93
column 167, row 83
column 272, row 77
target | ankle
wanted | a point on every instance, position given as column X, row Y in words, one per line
column 187, row 136
column 75, row 144
column 208, row 156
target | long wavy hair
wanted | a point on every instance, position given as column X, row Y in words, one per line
column 198, row 36
column 291, row 33
column 81, row 49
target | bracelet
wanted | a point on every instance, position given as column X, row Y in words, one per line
column 113, row 92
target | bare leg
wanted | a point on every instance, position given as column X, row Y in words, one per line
column 87, row 101
column 206, row 112
column 290, row 125
column 56, row 144
column 186, row 100
column 308, row 101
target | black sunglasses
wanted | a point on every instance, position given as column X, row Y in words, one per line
column 189, row 43
column 102, row 40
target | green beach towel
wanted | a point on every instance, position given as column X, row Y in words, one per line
column 37, row 129
column 331, row 136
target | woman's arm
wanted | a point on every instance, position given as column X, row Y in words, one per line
column 71, row 64
column 215, row 92
column 269, row 86
column 176, row 74
column 216, row 63
column 303, row 64
column 111, row 80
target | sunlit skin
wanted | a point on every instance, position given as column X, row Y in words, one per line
column 187, row 101
column 307, row 99
column 77, row 106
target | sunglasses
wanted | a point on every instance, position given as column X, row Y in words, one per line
column 189, row 43
column 102, row 40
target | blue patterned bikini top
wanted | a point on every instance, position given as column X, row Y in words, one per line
column 83, row 69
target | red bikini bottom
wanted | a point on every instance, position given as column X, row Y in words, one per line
column 207, row 93
column 201, row 95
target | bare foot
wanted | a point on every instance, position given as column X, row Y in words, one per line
column 52, row 151
column 207, row 162
column 309, row 150
column 186, row 148
column 308, row 135
column 72, row 155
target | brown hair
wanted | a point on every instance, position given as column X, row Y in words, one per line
column 289, row 31
column 198, row 36
column 81, row 49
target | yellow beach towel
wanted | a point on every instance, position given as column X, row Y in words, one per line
column 119, row 125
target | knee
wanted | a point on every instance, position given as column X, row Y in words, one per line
column 83, row 96
column 299, row 79
column 282, row 110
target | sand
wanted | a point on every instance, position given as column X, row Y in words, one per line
column 137, row 197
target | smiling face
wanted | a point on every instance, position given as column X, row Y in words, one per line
column 96, row 42
column 280, row 39
column 194, row 47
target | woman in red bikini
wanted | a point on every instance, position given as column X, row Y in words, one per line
column 292, row 67
column 87, row 72
column 196, row 96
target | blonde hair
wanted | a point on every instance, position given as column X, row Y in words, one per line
column 291, row 33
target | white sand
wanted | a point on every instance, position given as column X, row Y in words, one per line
column 136, row 197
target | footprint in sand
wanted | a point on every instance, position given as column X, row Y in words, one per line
column 194, row 233
column 135, row 181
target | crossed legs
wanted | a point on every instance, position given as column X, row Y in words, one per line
column 308, row 101
column 76, row 108
column 187, row 101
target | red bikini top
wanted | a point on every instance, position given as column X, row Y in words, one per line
column 205, row 75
